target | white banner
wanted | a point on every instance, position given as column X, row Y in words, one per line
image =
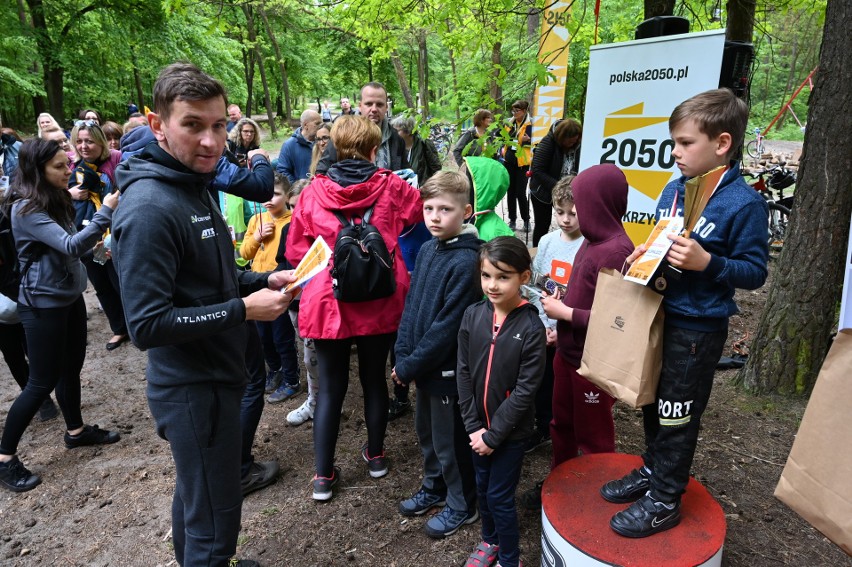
column 633, row 88
column 846, row 303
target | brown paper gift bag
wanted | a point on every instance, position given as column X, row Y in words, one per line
column 623, row 350
column 815, row 482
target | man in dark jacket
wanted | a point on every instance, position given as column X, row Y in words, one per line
column 374, row 105
column 186, row 304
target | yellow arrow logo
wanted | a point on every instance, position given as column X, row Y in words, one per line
column 649, row 183
column 624, row 120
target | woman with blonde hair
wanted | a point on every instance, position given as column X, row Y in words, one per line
column 320, row 144
column 243, row 138
column 45, row 123
column 92, row 146
column 353, row 187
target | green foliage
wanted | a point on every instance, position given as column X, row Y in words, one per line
column 330, row 49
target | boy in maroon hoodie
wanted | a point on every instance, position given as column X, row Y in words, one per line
column 582, row 413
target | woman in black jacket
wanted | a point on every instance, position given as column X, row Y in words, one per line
column 473, row 141
column 557, row 155
column 50, row 302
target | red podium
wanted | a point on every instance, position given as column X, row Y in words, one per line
column 575, row 521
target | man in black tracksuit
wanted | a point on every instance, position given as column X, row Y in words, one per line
column 182, row 301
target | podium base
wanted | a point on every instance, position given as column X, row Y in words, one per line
column 575, row 521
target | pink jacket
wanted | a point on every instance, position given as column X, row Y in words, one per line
column 397, row 205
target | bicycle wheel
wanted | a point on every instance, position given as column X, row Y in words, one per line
column 778, row 219
column 751, row 149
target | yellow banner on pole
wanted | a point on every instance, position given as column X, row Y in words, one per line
column 553, row 52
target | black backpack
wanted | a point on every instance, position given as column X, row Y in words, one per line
column 10, row 269
column 363, row 268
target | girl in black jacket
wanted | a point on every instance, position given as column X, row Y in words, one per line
column 500, row 367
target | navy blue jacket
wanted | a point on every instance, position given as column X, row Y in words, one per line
column 294, row 160
column 443, row 285
column 733, row 229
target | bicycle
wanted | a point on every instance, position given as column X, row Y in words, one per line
column 441, row 135
column 755, row 148
column 775, row 178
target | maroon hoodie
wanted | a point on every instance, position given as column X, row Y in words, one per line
column 600, row 199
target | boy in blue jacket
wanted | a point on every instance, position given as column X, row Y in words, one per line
column 443, row 285
column 726, row 250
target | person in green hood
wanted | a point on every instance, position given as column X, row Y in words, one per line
column 490, row 181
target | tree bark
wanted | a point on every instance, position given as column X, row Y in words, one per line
column 496, row 90
column 137, row 80
column 252, row 34
column 248, row 63
column 801, row 307
column 400, row 78
column 655, row 8
column 740, row 20
column 282, row 65
column 423, row 72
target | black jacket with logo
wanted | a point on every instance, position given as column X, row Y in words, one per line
column 498, row 377
column 175, row 260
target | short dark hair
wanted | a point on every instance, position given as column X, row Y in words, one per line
column 715, row 112
column 506, row 250
column 522, row 104
column 184, row 81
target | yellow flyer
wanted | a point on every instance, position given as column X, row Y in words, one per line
column 315, row 260
column 657, row 246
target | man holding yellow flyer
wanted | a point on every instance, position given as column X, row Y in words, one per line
column 724, row 247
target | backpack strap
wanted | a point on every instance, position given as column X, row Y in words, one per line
column 365, row 218
column 343, row 220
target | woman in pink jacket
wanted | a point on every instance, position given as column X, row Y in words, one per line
column 351, row 187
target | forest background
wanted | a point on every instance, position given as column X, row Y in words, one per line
column 444, row 59
column 441, row 58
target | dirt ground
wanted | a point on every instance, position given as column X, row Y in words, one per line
column 110, row 506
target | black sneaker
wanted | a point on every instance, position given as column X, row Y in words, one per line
column 537, row 440
column 91, row 435
column 16, row 477
column 511, row 224
column 398, row 408
column 260, row 475
column 323, row 486
column 646, row 517
column 629, row 488
column 377, row 465
column 526, row 226
column 48, row 410
column 421, row 503
column 531, row 499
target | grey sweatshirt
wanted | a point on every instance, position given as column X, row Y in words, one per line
column 56, row 277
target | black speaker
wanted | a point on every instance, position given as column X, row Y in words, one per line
column 736, row 67
column 662, row 25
